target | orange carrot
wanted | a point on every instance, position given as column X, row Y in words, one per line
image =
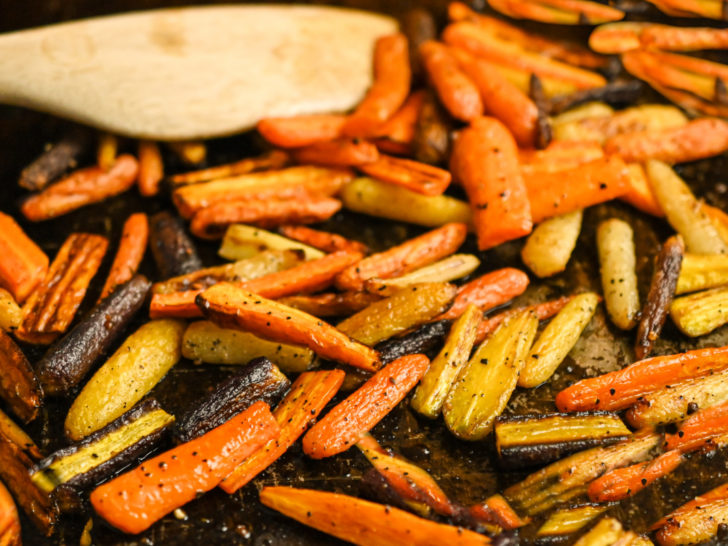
column 330, row 304
column 363, row 522
column 488, row 291
column 401, row 259
column 699, row 429
column 392, row 76
column 80, row 188
column 456, row 91
column 299, row 131
column 625, row 482
column 639, row 192
column 308, row 395
column 230, row 306
column 413, row 175
column 323, row 240
column 346, row 423
column 543, row 311
column 23, row 264
column 560, row 155
column 9, row 520
column 620, row 389
column 485, row 160
column 400, row 128
column 337, row 153
column 386, row 146
column 719, row 493
column 130, row 253
column 495, row 509
column 138, row 498
column 553, row 194
column 275, row 159
column 151, row 168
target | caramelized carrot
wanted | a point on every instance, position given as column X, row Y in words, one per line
column 400, row 128
column 323, row 240
column 299, row 131
column 275, row 159
column 23, row 264
column 308, row 395
column 696, row 521
column 392, row 76
column 151, row 168
column 639, row 192
column 9, row 520
column 408, row 256
column 413, row 175
column 495, row 509
column 230, row 306
column 346, row 423
column 485, row 160
column 568, row 12
column 699, row 429
column 138, row 498
column 620, row 389
column 133, row 243
column 543, row 311
column 560, row 155
column 330, row 304
column 337, row 153
column 720, row 492
column 80, row 188
column 488, row 291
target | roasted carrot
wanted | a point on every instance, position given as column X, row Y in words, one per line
column 305, row 400
column 488, row 291
column 136, row 499
column 363, row 522
column 485, row 160
column 299, row 131
column 275, row 159
column 9, row 520
column 620, row 37
column 80, row 188
column 131, row 250
column 543, row 311
column 230, row 306
column 408, row 256
column 19, row 385
column 639, row 192
column 553, row 194
column 151, row 168
column 56, row 159
column 560, row 155
column 331, row 305
column 413, row 175
column 455, row 90
column 696, row 521
column 431, row 141
column 699, row 429
column 323, row 240
column 337, row 153
column 620, row 389
column 565, row 12
column 23, row 264
column 392, row 76
column 346, row 423
column 400, row 128
column 495, row 509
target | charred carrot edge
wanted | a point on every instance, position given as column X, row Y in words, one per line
column 401, row 259
column 135, row 500
column 485, row 160
column 697, row 431
column 337, row 153
column 323, row 240
column 553, row 194
column 346, row 423
column 230, row 306
column 298, row 131
column 275, row 159
column 363, row 522
column 639, row 192
column 9, row 519
column 50, row 309
column 131, row 250
column 400, row 128
column 23, row 265
column 80, row 188
column 720, row 492
column 413, row 175
column 307, row 397
column 495, row 509
column 488, row 291
column 313, row 276
column 620, row 389
column 392, row 77
column 151, row 168
column 625, row 482
column 330, row 304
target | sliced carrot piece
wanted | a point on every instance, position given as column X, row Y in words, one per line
column 131, row 250
column 298, row 131
column 543, row 311
column 23, row 264
column 488, row 291
column 323, row 240
column 151, row 168
column 413, row 175
column 275, row 159
column 699, row 429
column 337, row 153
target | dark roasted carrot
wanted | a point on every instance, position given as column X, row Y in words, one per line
column 331, row 305
column 413, row 175
column 323, row 240
column 488, row 291
column 151, row 168
column 410, row 255
column 19, row 386
column 337, row 153
column 431, row 141
column 364, row 522
column 136, row 499
column 80, row 188
column 392, row 76
column 307, row 397
column 543, row 311
column 23, row 264
column 620, row 389
column 345, row 424
column 9, row 520
column 400, row 128
column 485, row 160
column 699, row 429
column 230, row 306
column 275, row 159
column 298, row 131
column 495, row 509
column 131, row 250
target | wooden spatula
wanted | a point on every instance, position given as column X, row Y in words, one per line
column 194, row 72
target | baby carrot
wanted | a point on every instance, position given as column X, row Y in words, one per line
column 639, row 192
column 400, row 128
column 413, row 175
column 9, row 519
column 151, row 168
column 560, row 155
column 323, row 240
column 488, row 291
column 697, row 431
column 273, row 160
column 131, row 251
column 23, row 264
column 330, row 304
column 337, row 153
column 543, row 311
column 298, row 131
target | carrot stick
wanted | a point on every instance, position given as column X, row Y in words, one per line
column 80, row 188
column 400, row 128
column 275, row 159
column 23, row 264
column 230, row 306
column 698, row 430
column 307, row 397
column 337, row 153
column 495, row 509
column 346, row 423
column 639, row 192
column 625, row 482
column 298, row 131
column 553, row 194
column 620, row 389
column 392, row 76
column 485, row 160
column 543, row 311
column 330, row 304
column 130, row 253
column 401, row 259
column 9, row 520
column 455, row 90
column 560, row 155
column 138, row 498
column 488, row 291
column 151, row 168
column 363, row 522
column 413, row 175
column 323, row 240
